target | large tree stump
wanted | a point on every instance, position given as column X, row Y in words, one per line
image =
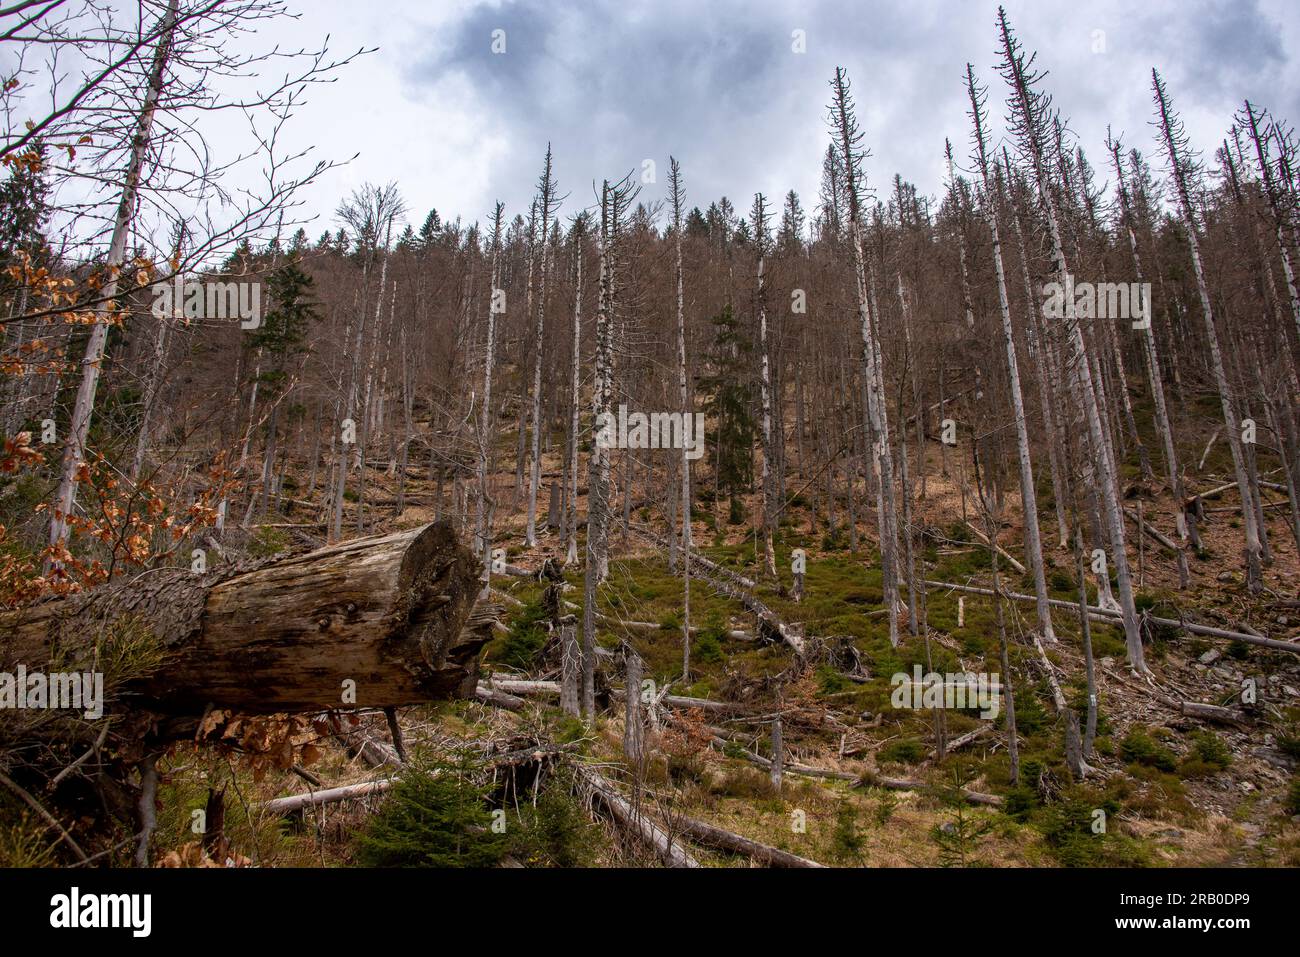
column 395, row 614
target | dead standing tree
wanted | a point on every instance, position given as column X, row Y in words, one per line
column 1029, row 503
column 678, row 197
column 1029, row 122
column 1183, row 171
column 153, row 145
column 614, row 201
column 762, row 239
column 850, row 153
column 547, row 204
column 485, row 506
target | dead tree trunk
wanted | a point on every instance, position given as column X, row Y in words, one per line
column 390, row 617
column 74, row 452
column 1028, row 500
column 1176, row 149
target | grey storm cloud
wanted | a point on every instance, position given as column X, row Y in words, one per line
column 719, row 86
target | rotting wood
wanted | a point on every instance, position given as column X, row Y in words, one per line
column 395, row 614
column 633, row 819
column 711, row 835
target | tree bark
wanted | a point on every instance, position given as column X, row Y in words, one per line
column 393, row 613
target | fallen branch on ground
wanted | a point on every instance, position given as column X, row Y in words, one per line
column 876, row 780
column 713, row 836
column 1110, row 617
column 633, row 820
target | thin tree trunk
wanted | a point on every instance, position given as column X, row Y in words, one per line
column 75, row 453
column 1171, row 136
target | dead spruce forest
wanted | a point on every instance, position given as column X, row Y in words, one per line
column 629, row 529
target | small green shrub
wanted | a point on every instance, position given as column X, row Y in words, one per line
column 265, row 542
column 1060, row 581
column 527, row 637
column 886, row 804
column 555, row 832
column 434, row 816
column 1288, row 741
column 736, row 513
column 1021, row 800
column 1140, row 748
column 706, row 646
column 846, row 840
column 959, row 838
column 1292, row 803
column 1074, row 832
column 903, row 751
column 1031, row 718
column 830, row 681
column 1209, row 752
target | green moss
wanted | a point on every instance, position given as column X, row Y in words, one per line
column 846, row 840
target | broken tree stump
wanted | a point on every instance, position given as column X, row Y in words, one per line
column 394, row 614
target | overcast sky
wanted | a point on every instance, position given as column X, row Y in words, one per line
column 717, row 84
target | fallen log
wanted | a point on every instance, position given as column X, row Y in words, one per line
column 718, row 741
column 631, row 819
column 806, row 770
column 1190, row 709
column 505, row 598
column 1110, row 617
column 394, row 614
column 1010, row 559
column 498, row 699
column 1237, row 508
column 349, row 792
column 650, row 627
column 876, row 780
column 684, row 703
column 707, row 564
column 961, row 741
column 526, row 686
column 517, row 571
column 373, row 754
column 1212, row 712
column 1152, row 532
column 520, row 686
column 867, row 778
column 712, row 836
